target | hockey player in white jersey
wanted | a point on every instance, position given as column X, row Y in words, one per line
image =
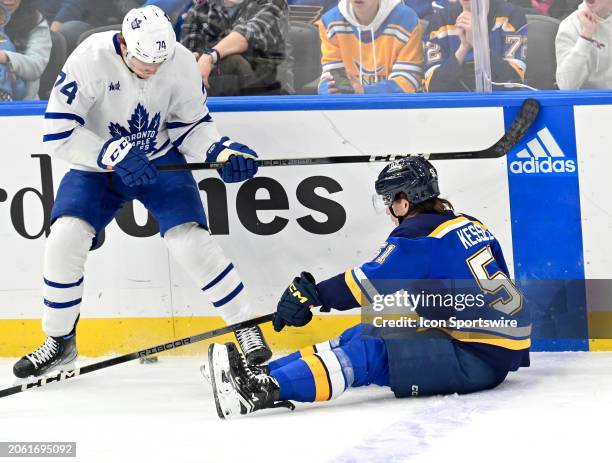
column 123, row 104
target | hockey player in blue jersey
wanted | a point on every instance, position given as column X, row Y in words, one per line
column 431, row 249
column 124, row 104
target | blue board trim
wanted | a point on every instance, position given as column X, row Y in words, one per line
column 559, row 345
column 367, row 102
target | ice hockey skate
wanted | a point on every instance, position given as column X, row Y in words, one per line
column 56, row 353
column 253, row 345
column 237, row 390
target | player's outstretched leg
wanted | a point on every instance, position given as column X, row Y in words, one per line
column 198, row 253
column 236, row 387
column 56, row 353
column 317, row 373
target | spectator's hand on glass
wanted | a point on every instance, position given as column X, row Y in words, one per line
column 355, row 83
column 331, row 83
column 3, row 57
column 205, row 64
column 588, row 22
column 464, row 25
column 55, row 26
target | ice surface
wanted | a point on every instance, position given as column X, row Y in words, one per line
column 557, row 410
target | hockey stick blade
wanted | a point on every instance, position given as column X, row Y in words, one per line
column 524, row 119
column 64, row 375
column 518, row 128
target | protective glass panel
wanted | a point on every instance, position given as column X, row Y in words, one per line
column 330, row 47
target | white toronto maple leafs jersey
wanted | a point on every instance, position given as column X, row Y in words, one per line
column 96, row 98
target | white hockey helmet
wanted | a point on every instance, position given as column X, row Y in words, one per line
column 148, row 34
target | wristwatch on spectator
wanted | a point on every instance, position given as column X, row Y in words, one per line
column 214, row 55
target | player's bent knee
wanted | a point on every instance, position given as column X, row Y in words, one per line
column 69, row 236
column 69, row 232
column 184, row 239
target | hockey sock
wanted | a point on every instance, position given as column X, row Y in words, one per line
column 314, row 377
column 66, row 251
column 202, row 258
column 320, row 347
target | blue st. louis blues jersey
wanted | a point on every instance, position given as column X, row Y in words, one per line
column 96, row 98
column 507, row 44
column 454, row 269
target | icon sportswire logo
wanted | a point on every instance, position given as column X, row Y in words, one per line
column 542, row 155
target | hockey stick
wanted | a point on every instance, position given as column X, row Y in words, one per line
column 63, row 375
column 524, row 119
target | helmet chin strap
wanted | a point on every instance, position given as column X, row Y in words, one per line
column 126, row 59
column 400, row 218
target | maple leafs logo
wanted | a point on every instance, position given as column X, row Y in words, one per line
column 140, row 131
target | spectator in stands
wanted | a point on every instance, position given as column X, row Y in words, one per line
column 371, row 46
column 11, row 88
column 322, row 5
column 559, row 9
column 65, row 17
column 240, row 46
column 583, row 46
column 425, row 8
column 171, row 7
column 74, row 17
column 176, row 9
column 449, row 50
column 29, row 32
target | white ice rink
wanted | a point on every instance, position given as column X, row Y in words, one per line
column 559, row 410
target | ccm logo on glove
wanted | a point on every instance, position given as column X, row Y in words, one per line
column 129, row 162
column 115, row 152
column 302, row 299
column 294, row 306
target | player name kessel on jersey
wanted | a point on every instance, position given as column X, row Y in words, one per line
column 542, row 155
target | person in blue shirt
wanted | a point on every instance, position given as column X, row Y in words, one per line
column 470, row 324
column 170, row 7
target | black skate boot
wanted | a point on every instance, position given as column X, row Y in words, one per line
column 254, row 369
column 52, row 355
column 253, row 345
column 237, row 390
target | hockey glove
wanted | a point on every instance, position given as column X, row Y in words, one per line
column 130, row 163
column 294, row 306
column 239, row 160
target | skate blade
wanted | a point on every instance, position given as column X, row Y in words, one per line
column 204, row 369
column 224, row 391
column 53, row 372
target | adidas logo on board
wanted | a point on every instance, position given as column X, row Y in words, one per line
column 542, row 155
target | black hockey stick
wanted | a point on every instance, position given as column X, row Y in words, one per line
column 63, row 375
column 524, row 119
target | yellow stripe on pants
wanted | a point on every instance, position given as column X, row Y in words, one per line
column 322, row 386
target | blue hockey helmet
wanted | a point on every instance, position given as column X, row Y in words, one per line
column 414, row 176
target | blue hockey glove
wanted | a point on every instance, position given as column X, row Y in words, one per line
column 130, row 163
column 240, row 160
column 294, row 306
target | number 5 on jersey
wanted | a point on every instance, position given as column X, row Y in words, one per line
column 69, row 90
column 496, row 283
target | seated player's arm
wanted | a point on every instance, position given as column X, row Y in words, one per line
column 398, row 261
column 267, row 29
column 573, row 55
